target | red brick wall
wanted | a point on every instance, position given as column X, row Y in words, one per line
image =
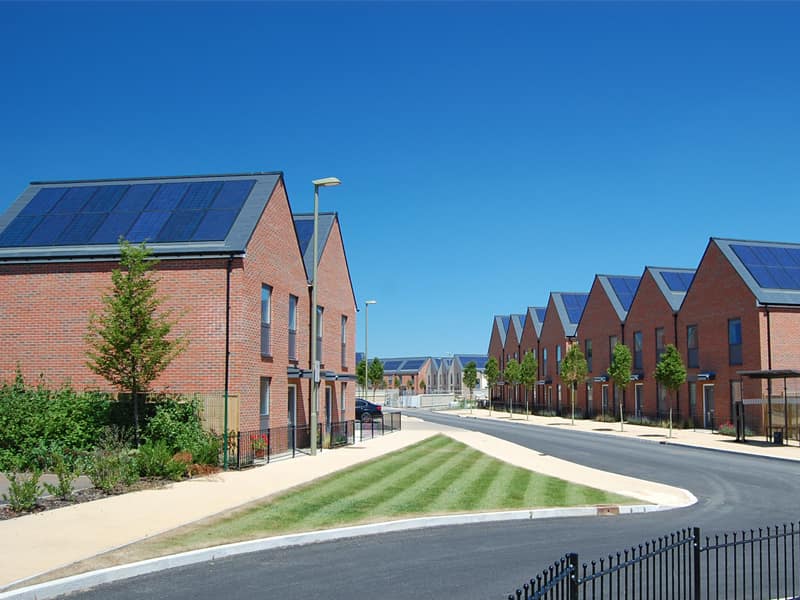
column 496, row 351
column 552, row 336
column 528, row 343
column 598, row 322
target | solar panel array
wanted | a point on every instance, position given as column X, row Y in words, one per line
column 505, row 319
column 776, row 267
column 625, row 289
column 305, row 230
column 540, row 312
column 574, row 304
column 413, row 365
column 392, row 365
column 677, row 281
column 201, row 211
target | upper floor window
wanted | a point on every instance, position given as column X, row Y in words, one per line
column 266, row 319
column 612, row 341
column 659, row 343
column 589, row 355
column 558, row 360
column 320, row 329
column 735, row 341
column 544, row 362
column 692, row 353
column 292, row 327
column 637, row 350
column 344, row 342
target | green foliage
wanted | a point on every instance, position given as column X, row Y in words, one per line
column 36, row 422
column 66, row 471
column 574, row 367
column 375, row 372
column 670, row 371
column 112, row 463
column 128, row 341
column 177, row 424
column 23, row 490
column 361, row 368
column 470, row 376
column 155, row 459
column 492, row 372
column 513, row 372
column 529, row 370
column 620, row 368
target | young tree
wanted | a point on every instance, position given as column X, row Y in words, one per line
column 671, row 373
column 529, row 370
column 620, row 371
column 129, row 343
column 492, row 372
column 422, row 386
column 512, row 375
column 375, row 374
column 397, row 382
column 470, row 378
column 361, row 373
column 574, row 370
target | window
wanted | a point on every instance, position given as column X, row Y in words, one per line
column 320, row 311
column 343, row 400
column 344, row 342
column 692, row 355
column 589, row 355
column 659, row 343
column 612, row 341
column 637, row 350
column 735, row 341
column 263, row 405
column 266, row 319
column 544, row 362
column 558, row 362
column 292, row 327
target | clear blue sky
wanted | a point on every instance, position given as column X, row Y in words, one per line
column 489, row 153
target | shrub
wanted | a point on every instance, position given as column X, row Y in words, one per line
column 112, row 463
column 606, row 418
column 154, row 459
column 23, row 490
column 177, row 423
column 66, row 470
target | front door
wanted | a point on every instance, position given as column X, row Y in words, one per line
column 708, row 406
column 292, row 412
column 328, row 407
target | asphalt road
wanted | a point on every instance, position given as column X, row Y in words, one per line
column 490, row 560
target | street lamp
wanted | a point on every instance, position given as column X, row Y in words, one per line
column 366, row 346
column 318, row 183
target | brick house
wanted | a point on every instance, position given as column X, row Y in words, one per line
column 564, row 310
column 531, row 330
column 511, row 349
column 497, row 343
column 406, row 373
column 601, row 327
column 741, row 313
column 231, row 268
column 651, row 324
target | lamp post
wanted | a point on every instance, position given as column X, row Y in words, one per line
column 318, row 183
column 366, row 346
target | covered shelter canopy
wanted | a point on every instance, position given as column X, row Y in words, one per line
column 769, row 375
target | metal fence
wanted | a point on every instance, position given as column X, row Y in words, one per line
column 758, row 563
column 389, row 422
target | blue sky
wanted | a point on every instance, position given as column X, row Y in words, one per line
column 489, row 153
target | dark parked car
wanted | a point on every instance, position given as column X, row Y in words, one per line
column 366, row 410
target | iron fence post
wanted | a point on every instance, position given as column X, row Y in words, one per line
column 696, row 561
column 572, row 589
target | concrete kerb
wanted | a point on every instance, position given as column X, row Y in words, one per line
column 52, row 589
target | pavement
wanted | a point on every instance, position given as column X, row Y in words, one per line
column 39, row 543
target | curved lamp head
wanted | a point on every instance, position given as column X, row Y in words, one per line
column 326, row 182
column 371, row 302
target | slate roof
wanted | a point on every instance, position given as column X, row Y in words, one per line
column 403, row 366
column 184, row 215
column 620, row 290
column 479, row 359
column 518, row 323
column 770, row 269
column 537, row 316
column 304, row 226
column 569, row 306
column 501, row 322
column 673, row 283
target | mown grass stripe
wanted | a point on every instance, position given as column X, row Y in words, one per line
column 459, row 492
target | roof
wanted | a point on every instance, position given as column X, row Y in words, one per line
column 204, row 214
column 480, row 360
column 403, row 366
column 518, row 323
column 620, row 290
column 770, row 269
column 673, row 283
column 501, row 322
column 569, row 306
column 536, row 314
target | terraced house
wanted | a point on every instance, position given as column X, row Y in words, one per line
column 232, row 267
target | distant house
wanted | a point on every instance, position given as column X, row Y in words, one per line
column 462, row 360
column 531, row 331
column 232, row 268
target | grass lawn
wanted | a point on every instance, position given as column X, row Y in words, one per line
column 436, row 476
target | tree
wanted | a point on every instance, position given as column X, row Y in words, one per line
column 361, row 373
column 671, row 373
column 397, row 382
column 129, row 343
column 620, row 370
column 529, row 372
column 574, row 370
column 492, row 372
column 375, row 373
column 422, row 386
column 512, row 375
column 470, row 378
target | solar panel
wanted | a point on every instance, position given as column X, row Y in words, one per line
column 505, row 320
column 776, row 267
column 48, row 230
column 115, row 226
column 168, row 196
column 147, row 226
column 44, row 200
column 81, row 228
column 574, row 303
column 233, row 194
column 625, row 289
column 304, row 229
column 180, row 226
column 215, row 225
column 23, row 225
column 412, row 365
column 540, row 312
column 677, row 281
column 200, row 195
column 392, row 365
column 106, row 198
column 136, row 198
column 73, row 200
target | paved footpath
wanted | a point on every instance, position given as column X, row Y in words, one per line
column 38, row 543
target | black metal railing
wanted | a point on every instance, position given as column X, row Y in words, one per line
column 342, row 434
column 250, row 447
column 759, row 563
column 387, row 423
